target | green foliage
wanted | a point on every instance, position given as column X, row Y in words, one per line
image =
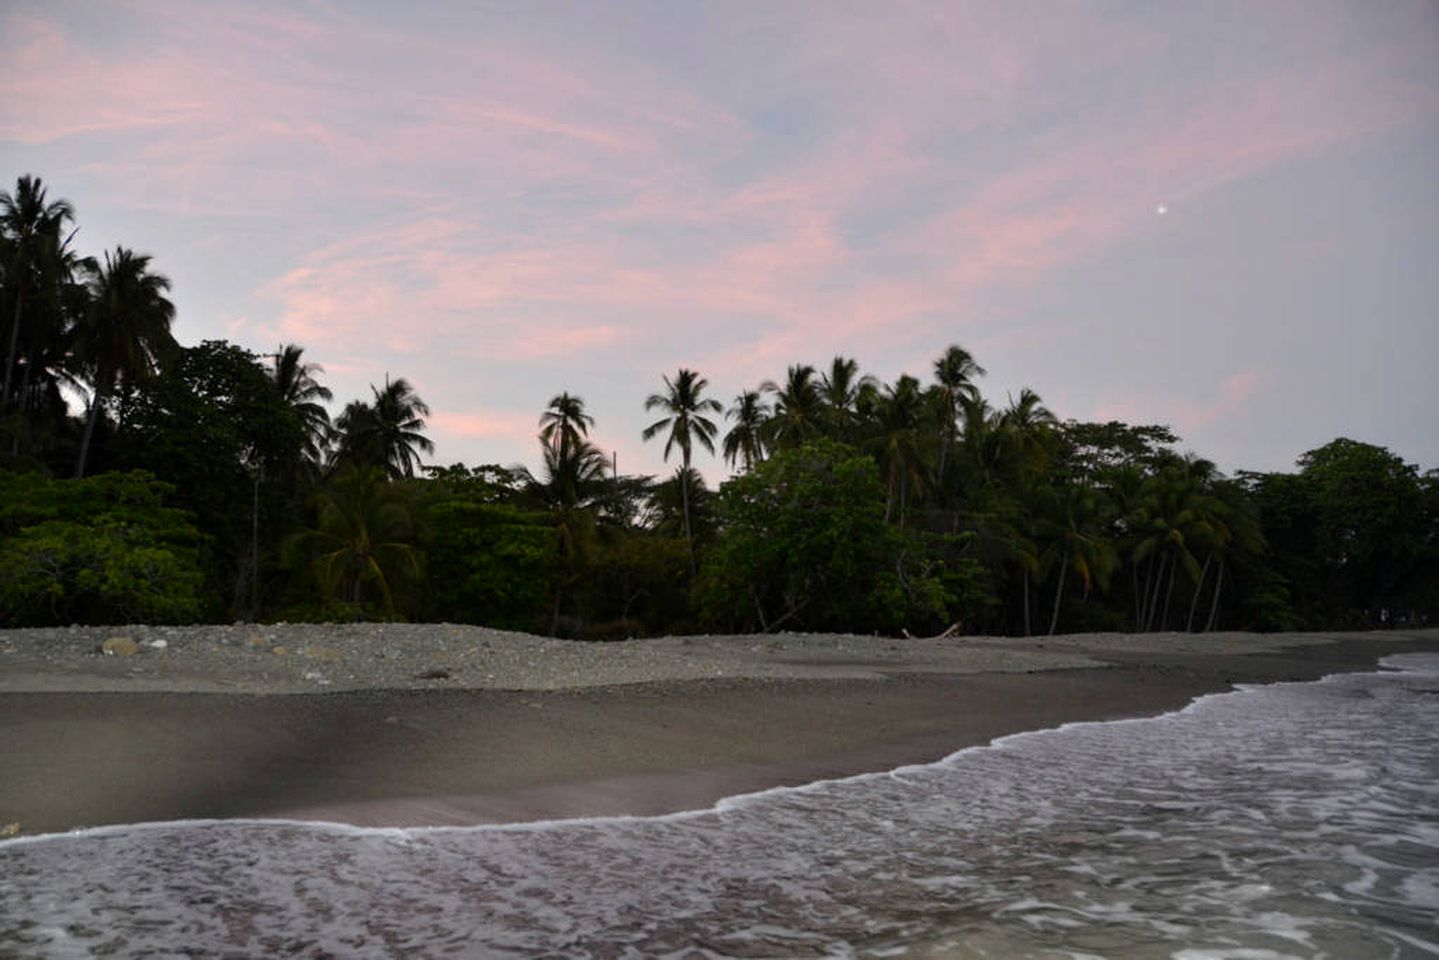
column 489, row 563
column 212, row 424
column 804, row 545
column 1088, row 450
column 365, row 548
column 1352, row 536
column 1003, row 519
column 100, row 550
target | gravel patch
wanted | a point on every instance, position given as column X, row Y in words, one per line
column 311, row 658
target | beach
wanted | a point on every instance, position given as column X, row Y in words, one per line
column 415, row 725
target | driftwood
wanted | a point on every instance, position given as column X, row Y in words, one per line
column 950, row 631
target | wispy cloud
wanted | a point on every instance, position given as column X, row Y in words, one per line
column 854, row 179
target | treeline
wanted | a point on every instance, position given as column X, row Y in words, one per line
column 210, row 483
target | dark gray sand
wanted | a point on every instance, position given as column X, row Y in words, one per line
column 80, row 749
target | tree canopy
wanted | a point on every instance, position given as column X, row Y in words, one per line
column 214, row 483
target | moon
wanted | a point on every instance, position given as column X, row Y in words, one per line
column 1161, row 209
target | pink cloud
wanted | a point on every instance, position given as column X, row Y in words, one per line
column 1229, row 400
column 473, row 425
column 527, row 199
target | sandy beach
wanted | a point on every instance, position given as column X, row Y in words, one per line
column 404, row 724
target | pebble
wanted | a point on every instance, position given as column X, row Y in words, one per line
column 398, row 656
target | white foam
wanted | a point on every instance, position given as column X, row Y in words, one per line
column 1264, row 819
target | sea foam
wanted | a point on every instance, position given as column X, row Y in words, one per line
column 1292, row 820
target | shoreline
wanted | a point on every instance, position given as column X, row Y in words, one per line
column 467, row 755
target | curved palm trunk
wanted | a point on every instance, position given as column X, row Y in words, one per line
column 1027, row 631
column 1198, row 588
column 1134, row 589
column 685, row 501
column 1214, row 604
column 12, row 355
column 889, row 497
column 1169, row 594
column 22, row 405
column 1154, row 596
column 89, row 434
column 1058, row 595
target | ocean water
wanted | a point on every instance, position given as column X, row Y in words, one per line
column 1293, row 820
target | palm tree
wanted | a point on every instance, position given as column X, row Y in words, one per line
column 399, row 418
column 1245, row 536
column 1028, row 428
column 686, row 422
column 1072, row 522
column 572, row 486
column 385, row 433
column 898, row 418
column 564, row 424
column 981, row 446
column 366, row 536
column 667, row 501
column 302, row 393
column 798, row 408
column 955, row 372
column 125, row 332
column 573, row 476
column 35, row 255
column 1171, row 522
column 746, row 438
column 840, row 390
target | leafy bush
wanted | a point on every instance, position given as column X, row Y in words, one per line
column 804, row 545
column 99, row 550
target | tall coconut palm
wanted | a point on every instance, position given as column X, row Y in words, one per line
column 897, row 443
column 981, row 447
column 1170, row 525
column 798, row 412
column 840, row 391
column 386, row 432
column 1072, row 522
column 745, row 440
column 302, row 393
column 955, row 372
column 366, row 540
column 1245, row 536
column 33, row 230
column 124, row 334
column 564, row 424
column 1028, row 432
column 685, row 409
column 570, row 488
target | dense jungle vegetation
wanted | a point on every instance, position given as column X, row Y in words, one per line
column 210, row 483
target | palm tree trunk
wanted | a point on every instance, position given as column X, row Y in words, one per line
column 255, row 550
column 1027, row 631
column 1138, row 601
column 1154, row 597
column 1169, row 594
column 21, row 406
column 1058, row 594
column 10, row 357
column 95, row 400
column 1198, row 588
column 685, row 500
column 943, row 450
column 1214, row 604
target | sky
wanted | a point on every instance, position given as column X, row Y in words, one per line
column 1219, row 216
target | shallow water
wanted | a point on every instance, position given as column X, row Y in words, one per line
column 1294, row 820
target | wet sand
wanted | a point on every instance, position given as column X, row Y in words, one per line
column 408, row 757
